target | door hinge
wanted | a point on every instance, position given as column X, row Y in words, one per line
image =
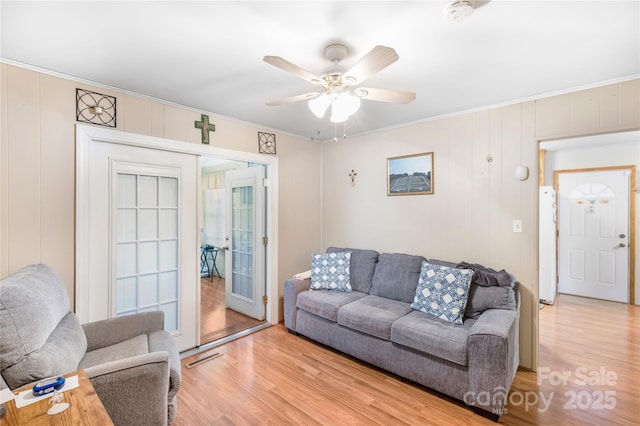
column 265, row 241
column 265, row 299
column 266, row 182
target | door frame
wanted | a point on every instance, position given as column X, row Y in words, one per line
column 243, row 177
column 86, row 134
column 631, row 219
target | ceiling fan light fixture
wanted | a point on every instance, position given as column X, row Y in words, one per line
column 361, row 93
column 319, row 105
column 343, row 105
column 349, row 80
column 346, row 103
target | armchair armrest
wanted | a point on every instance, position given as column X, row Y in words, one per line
column 134, row 390
column 162, row 341
column 114, row 330
column 493, row 356
column 292, row 288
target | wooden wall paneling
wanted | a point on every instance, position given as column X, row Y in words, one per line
column 157, row 119
column 233, row 134
column 437, row 233
column 511, row 189
column 553, row 116
column 461, row 178
column 528, row 273
column 332, row 212
column 137, row 115
column 497, row 219
column 609, row 105
column 179, row 124
column 629, row 107
column 479, row 207
column 585, row 111
column 57, row 169
column 4, row 175
column 305, row 168
column 24, row 158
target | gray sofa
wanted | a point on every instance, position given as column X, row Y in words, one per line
column 474, row 362
column 133, row 364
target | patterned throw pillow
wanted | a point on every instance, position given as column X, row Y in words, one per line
column 330, row 271
column 442, row 292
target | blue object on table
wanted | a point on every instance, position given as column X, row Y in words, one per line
column 48, row 385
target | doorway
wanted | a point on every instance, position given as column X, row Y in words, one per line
column 610, row 151
column 232, row 218
column 97, row 250
column 594, row 232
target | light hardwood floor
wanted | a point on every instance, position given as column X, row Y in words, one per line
column 217, row 320
column 275, row 378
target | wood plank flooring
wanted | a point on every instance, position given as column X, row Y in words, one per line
column 275, row 378
column 217, row 320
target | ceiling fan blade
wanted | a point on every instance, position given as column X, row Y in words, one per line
column 384, row 95
column 287, row 66
column 305, row 97
column 377, row 59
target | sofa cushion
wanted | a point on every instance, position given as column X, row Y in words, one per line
column 442, row 291
column 363, row 264
column 372, row 315
column 330, row 271
column 40, row 336
column 135, row 346
column 396, row 276
column 483, row 298
column 325, row 304
column 433, row 336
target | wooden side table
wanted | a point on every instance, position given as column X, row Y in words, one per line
column 85, row 408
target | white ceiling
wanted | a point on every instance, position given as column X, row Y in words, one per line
column 208, row 55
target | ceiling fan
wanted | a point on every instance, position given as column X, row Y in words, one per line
column 340, row 91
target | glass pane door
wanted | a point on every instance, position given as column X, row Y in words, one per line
column 242, row 234
column 244, row 287
column 147, row 246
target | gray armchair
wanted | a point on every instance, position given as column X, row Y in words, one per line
column 131, row 361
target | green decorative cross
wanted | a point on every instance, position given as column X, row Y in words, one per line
column 205, row 127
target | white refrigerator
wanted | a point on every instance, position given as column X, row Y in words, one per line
column 547, row 245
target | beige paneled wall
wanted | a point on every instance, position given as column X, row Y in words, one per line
column 605, row 109
column 37, row 179
column 469, row 217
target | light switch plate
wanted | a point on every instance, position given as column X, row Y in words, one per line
column 517, row 225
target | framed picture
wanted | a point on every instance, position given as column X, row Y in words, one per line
column 410, row 174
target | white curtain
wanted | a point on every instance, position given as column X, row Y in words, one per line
column 213, row 232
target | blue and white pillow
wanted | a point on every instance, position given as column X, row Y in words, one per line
column 442, row 292
column 330, row 271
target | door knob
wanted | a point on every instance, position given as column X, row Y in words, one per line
column 622, row 245
column 622, row 236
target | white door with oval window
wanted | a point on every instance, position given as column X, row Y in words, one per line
column 593, row 239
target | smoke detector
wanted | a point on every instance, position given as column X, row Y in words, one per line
column 457, row 10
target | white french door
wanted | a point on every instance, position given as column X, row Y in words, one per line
column 593, row 241
column 143, row 240
column 244, row 260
